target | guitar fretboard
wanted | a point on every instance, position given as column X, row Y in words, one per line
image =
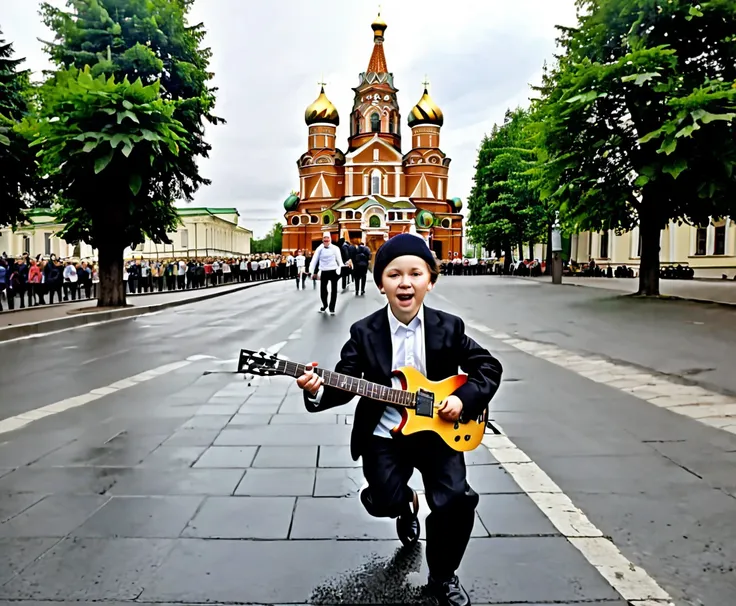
column 354, row 385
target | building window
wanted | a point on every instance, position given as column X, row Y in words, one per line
column 720, row 240
column 47, row 243
column 376, row 123
column 356, row 123
column 701, row 238
column 376, row 157
column 391, row 216
column 374, row 221
column 184, row 239
column 604, row 245
column 391, row 124
column 376, row 183
column 26, row 245
column 295, row 220
column 349, row 214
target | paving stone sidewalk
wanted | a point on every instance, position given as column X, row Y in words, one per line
column 700, row 290
column 40, row 313
column 248, row 499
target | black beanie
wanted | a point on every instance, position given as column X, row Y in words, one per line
column 398, row 246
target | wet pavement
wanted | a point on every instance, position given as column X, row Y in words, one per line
column 181, row 483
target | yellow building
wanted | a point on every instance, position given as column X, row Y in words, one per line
column 710, row 251
column 203, row 232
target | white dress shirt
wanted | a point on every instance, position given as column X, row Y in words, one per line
column 327, row 259
column 407, row 345
column 408, row 349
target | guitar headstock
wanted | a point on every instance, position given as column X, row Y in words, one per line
column 258, row 363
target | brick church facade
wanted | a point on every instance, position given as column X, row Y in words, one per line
column 373, row 191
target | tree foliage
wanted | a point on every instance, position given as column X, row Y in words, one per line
column 115, row 150
column 638, row 119
column 271, row 243
column 504, row 206
column 17, row 165
column 150, row 40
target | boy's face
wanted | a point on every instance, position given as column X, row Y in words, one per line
column 405, row 282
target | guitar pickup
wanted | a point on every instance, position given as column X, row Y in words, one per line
column 425, row 403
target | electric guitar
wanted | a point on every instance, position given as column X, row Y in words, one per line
column 418, row 400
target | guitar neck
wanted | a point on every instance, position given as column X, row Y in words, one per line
column 350, row 384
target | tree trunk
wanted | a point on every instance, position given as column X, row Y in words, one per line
column 649, row 230
column 531, row 249
column 112, row 287
column 548, row 260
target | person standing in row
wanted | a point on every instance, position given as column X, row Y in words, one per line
column 328, row 259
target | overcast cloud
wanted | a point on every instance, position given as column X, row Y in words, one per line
column 479, row 55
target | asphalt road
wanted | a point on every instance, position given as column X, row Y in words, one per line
column 149, row 480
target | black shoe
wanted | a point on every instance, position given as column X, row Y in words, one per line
column 407, row 525
column 449, row 592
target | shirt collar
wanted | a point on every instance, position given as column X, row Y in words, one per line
column 415, row 324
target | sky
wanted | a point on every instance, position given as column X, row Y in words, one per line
column 480, row 57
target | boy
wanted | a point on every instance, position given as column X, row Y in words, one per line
column 406, row 333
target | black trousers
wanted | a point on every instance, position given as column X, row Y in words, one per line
column 359, row 274
column 328, row 277
column 387, row 466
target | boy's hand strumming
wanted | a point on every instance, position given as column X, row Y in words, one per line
column 451, row 409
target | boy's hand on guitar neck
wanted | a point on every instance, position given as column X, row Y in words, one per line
column 310, row 381
column 451, row 409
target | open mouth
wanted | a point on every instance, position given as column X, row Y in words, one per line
column 404, row 297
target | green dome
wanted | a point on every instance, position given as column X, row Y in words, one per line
column 291, row 202
column 457, row 204
column 424, row 219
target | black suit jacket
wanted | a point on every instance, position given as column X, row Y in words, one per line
column 368, row 354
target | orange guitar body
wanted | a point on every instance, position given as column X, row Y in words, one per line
column 459, row 436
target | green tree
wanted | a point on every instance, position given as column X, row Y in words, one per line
column 115, row 151
column 150, row 40
column 638, row 119
column 504, row 206
column 271, row 243
column 17, row 165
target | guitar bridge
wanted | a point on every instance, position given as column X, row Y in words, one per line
column 425, row 403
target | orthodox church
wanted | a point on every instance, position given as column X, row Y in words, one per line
column 373, row 191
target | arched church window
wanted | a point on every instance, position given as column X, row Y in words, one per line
column 374, row 221
column 376, row 123
column 391, row 124
column 356, row 123
column 376, row 183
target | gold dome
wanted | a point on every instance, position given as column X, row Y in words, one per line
column 322, row 110
column 379, row 25
column 426, row 112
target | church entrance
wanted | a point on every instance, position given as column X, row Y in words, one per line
column 374, row 242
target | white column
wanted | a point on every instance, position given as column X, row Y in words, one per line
column 350, row 181
column 710, row 242
column 397, row 182
column 727, row 248
column 672, row 228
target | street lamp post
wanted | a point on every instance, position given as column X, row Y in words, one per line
column 556, row 254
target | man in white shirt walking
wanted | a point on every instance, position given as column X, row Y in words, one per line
column 328, row 259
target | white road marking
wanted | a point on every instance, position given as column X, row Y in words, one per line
column 23, row 419
column 632, row 582
column 297, row 334
column 698, row 403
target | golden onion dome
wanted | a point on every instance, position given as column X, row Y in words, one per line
column 426, row 112
column 322, row 110
column 379, row 25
